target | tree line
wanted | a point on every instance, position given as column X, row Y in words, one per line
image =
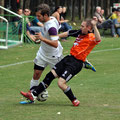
column 76, row 9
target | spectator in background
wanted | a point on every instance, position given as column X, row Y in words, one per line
column 104, row 24
column 17, row 19
column 64, row 25
column 27, row 13
column 36, row 22
column 102, row 14
column 113, row 15
column 57, row 12
column 36, row 25
column 30, row 33
column 32, row 28
column 117, row 22
column 64, row 13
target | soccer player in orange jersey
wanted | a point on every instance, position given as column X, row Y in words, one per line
column 72, row 64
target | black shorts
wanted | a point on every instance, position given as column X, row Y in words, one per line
column 68, row 67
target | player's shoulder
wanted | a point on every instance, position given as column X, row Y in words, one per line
column 91, row 35
column 50, row 23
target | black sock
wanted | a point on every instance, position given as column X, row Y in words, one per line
column 32, row 88
column 68, row 92
column 41, row 87
column 48, row 79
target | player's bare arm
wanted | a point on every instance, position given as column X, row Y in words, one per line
column 96, row 32
column 64, row 34
column 47, row 41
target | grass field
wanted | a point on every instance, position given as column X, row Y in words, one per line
column 99, row 92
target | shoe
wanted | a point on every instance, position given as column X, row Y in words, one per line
column 28, row 95
column 27, row 102
column 88, row 65
column 75, row 102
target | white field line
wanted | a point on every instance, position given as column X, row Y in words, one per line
column 28, row 61
column 105, row 50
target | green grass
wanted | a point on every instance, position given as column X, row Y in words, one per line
column 99, row 92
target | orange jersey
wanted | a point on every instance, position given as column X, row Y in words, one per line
column 83, row 45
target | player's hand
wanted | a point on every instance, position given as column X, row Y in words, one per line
column 94, row 21
column 39, row 36
column 32, row 37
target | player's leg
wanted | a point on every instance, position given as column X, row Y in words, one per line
column 68, row 91
column 45, row 83
column 40, row 88
column 34, row 82
column 72, row 67
column 39, row 66
column 36, row 76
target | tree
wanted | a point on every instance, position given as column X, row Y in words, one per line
column 73, row 10
column 102, row 3
column 76, row 8
column 107, row 7
column 80, row 13
column 88, row 9
column 14, row 5
column 21, row 4
column 2, row 4
column 57, row 3
column 26, row 3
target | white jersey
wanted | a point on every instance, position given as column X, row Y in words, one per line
column 50, row 31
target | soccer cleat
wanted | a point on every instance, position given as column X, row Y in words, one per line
column 28, row 95
column 88, row 65
column 27, row 102
column 76, row 102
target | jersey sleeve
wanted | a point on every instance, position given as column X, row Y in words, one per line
column 74, row 33
column 53, row 33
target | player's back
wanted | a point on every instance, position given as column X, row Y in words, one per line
column 83, row 45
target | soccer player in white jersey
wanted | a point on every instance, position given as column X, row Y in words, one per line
column 50, row 51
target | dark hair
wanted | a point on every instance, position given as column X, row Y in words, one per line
column 57, row 8
column 118, row 9
column 44, row 9
column 114, row 9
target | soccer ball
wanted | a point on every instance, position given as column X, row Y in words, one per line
column 43, row 96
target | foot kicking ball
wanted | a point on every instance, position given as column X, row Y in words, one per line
column 43, row 96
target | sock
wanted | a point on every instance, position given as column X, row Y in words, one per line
column 41, row 87
column 84, row 66
column 68, row 92
column 48, row 79
column 33, row 84
column 44, row 84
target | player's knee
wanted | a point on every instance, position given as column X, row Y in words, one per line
column 61, row 83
